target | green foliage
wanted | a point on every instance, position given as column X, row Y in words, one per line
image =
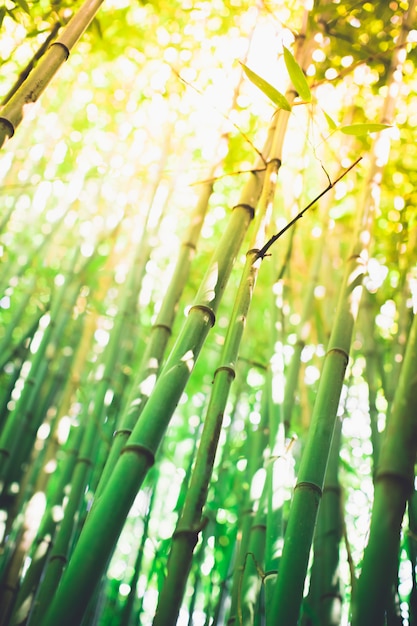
column 362, row 129
column 273, row 94
column 297, row 76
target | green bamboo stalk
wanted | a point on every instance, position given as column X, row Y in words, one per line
column 161, row 330
column 110, row 510
column 404, row 321
column 44, row 538
column 249, row 510
column 17, row 424
column 60, row 480
column 275, row 455
column 7, row 348
column 127, row 609
column 226, row 568
column 151, row 360
column 38, row 79
column 287, row 595
column 394, row 483
column 371, row 356
column 252, row 574
column 24, row 422
column 49, row 397
column 196, row 582
column 187, row 531
column 29, row 483
column 16, row 359
column 62, row 545
column 24, row 73
column 288, row 591
column 412, row 555
column 324, row 601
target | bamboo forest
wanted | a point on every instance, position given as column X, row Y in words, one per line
column 208, row 331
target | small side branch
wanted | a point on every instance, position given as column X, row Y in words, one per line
column 263, row 251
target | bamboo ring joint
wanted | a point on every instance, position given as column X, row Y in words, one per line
column 140, row 451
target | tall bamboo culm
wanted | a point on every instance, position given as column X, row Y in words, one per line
column 39, row 78
column 104, row 524
column 288, row 592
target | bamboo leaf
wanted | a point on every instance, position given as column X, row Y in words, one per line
column 23, row 5
column 95, row 27
column 330, row 122
column 297, row 76
column 363, row 129
column 273, row 94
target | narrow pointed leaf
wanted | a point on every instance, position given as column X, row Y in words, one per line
column 23, row 5
column 273, row 94
column 297, row 76
column 363, row 129
column 330, row 122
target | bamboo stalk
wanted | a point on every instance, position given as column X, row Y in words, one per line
column 107, row 517
column 288, row 591
column 29, row 66
column 394, row 482
column 38, row 79
column 17, row 424
column 189, row 525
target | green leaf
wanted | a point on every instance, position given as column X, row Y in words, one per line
column 273, row 94
column 2, row 14
column 330, row 122
column 95, row 27
column 23, row 5
column 363, row 129
column 297, row 76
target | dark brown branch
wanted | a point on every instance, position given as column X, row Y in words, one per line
column 262, row 252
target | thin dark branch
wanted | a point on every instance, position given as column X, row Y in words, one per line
column 262, row 252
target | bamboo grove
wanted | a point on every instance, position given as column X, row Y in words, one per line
column 207, row 316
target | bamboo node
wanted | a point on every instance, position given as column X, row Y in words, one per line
column 332, row 489
column 8, row 124
column 225, row 368
column 59, row 557
column 163, row 327
column 140, row 450
column 405, row 481
column 340, row 350
column 248, row 207
column 308, row 485
column 59, row 43
column 85, row 460
column 190, row 534
column 205, row 309
column 275, row 160
column 122, row 431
